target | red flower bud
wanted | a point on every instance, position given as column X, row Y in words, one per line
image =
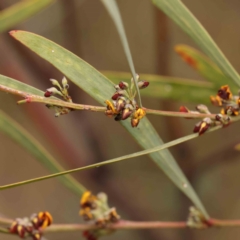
column 123, row 85
column 116, row 95
column 143, row 84
column 47, row 94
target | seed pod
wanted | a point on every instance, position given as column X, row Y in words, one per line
column 143, row 84
column 123, row 85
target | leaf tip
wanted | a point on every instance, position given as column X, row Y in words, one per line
column 13, row 32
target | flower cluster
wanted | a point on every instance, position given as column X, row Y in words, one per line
column 31, row 226
column 124, row 105
column 202, row 126
column 95, row 209
column 196, row 219
column 61, row 91
column 230, row 104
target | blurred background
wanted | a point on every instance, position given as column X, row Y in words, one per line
column 137, row 188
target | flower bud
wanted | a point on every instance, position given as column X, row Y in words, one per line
column 202, row 109
column 126, row 113
column 47, row 94
column 36, row 235
column 123, row 85
column 120, row 104
column 143, row 84
column 225, row 93
column 231, row 111
column 65, row 83
column 134, row 122
column 117, row 87
column 13, row 227
column 21, row 231
column 216, row 101
column 116, row 95
column 202, row 127
column 183, row 109
column 139, row 114
column 51, row 91
column 55, row 83
column 223, row 119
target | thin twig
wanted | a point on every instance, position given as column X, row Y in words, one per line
column 225, row 223
column 123, row 224
column 133, row 225
column 5, row 221
column 58, row 102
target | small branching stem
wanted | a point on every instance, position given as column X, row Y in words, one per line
column 58, row 102
column 35, row 98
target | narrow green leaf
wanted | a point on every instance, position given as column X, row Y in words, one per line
column 16, row 132
column 21, row 11
column 14, row 84
column 100, row 88
column 204, row 66
column 170, row 88
column 113, row 10
column 180, row 14
column 114, row 160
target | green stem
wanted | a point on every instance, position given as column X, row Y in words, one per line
column 3, row 230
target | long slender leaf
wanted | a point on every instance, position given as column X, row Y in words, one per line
column 163, row 87
column 100, row 88
column 13, row 130
column 204, row 66
column 114, row 160
column 180, row 14
column 21, row 11
column 113, row 10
